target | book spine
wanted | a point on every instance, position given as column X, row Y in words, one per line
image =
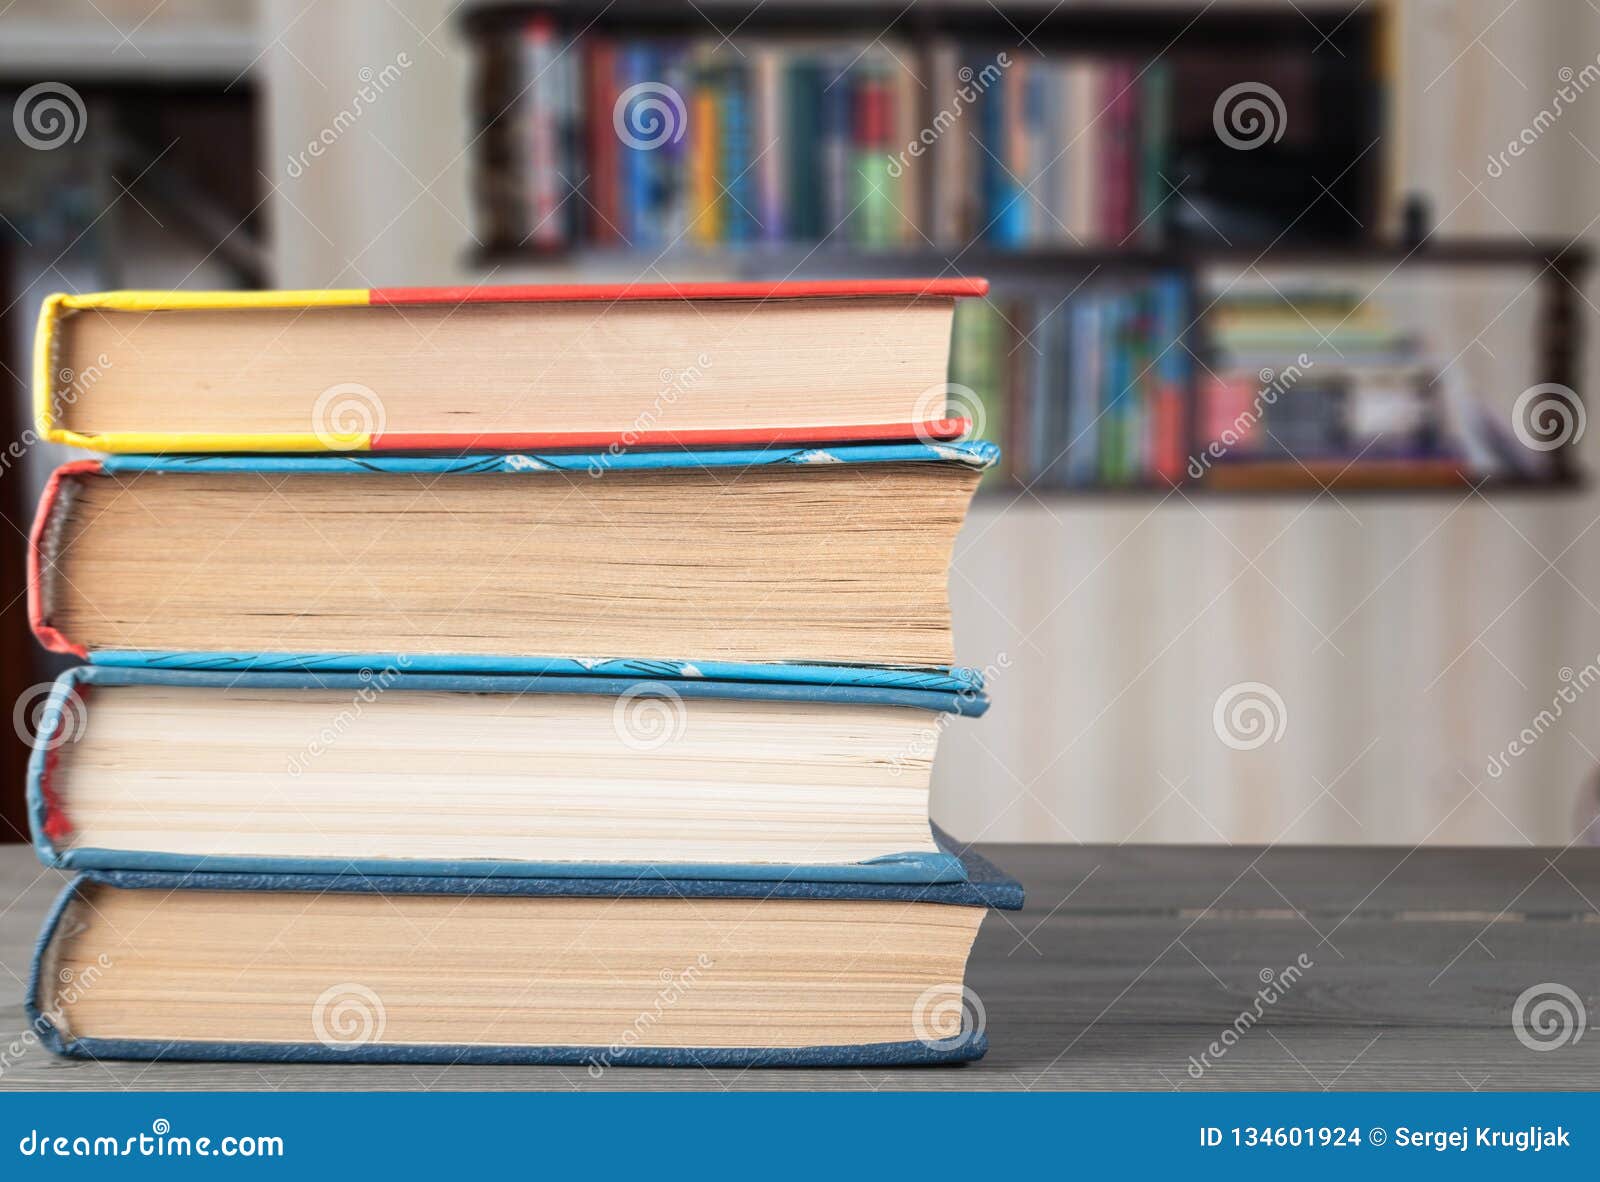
column 875, row 213
column 838, row 108
column 802, row 145
column 734, row 156
column 908, row 187
column 1155, row 134
column 705, row 206
column 537, row 117
column 600, row 94
column 770, row 158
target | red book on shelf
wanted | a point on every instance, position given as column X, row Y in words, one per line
column 600, row 84
column 634, row 365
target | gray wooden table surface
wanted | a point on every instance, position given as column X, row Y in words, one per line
column 1127, row 964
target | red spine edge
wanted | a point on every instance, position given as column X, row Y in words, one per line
column 940, row 429
column 608, row 293
column 48, row 636
column 57, row 827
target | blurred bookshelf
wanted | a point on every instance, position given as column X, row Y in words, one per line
column 1087, row 159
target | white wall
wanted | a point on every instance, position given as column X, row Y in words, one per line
column 1408, row 639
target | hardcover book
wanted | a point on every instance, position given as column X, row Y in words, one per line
column 497, row 368
column 589, row 972
column 821, row 565
column 389, row 772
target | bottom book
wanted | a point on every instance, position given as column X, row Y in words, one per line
column 580, row 971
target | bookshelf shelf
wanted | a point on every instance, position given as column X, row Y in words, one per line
column 1457, row 489
column 1570, row 257
column 1089, row 22
column 1169, row 207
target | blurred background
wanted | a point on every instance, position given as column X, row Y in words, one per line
column 1286, row 345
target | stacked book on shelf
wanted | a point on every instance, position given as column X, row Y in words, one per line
column 1134, row 382
column 1087, row 391
column 652, row 143
column 468, row 713
column 1318, row 380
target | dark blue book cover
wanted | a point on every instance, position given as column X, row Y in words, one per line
column 66, row 938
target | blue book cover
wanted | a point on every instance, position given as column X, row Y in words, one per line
column 734, row 166
column 637, row 162
column 533, row 465
column 69, row 713
column 53, row 1016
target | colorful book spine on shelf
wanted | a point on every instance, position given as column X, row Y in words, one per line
column 705, row 204
column 734, row 155
column 876, row 218
column 978, row 374
column 1098, row 392
column 804, row 142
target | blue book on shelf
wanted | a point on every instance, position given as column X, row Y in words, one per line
column 1083, row 392
column 350, row 978
column 638, row 162
column 734, row 135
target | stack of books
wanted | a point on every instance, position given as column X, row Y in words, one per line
column 440, row 704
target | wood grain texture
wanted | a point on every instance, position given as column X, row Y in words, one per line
column 1127, row 962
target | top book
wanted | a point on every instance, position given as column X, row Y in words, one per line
column 498, row 368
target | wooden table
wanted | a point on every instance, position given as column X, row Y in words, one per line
column 1127, row 964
